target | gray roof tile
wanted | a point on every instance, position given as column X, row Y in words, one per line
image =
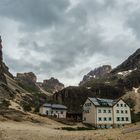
column 55, row 106
column 102, row 102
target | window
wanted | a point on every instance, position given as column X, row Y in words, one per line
column 122, row 118
column 105, row 119
column 118, row 118
column 117, row 105
column 99, row 119
column 117, row 111
column 125, row 105
column 51, row 112
column 122, row 111
column 126, row 111
column 104, row 111
column 110, row 119
column 99, row 111
column 109, row 111
column 121, row 105
column 61, row 112
column 56, row 111
column 127, row 119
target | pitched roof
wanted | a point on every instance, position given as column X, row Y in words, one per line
column 54, row 106
column 102, row 102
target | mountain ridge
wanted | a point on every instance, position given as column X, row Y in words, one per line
column 131, row 63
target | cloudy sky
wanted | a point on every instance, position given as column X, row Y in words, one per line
column 67, row 38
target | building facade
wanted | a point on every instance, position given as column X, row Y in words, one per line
column 54, row 110
column 106, row 112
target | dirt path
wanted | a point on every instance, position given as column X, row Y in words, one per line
column 130, row 130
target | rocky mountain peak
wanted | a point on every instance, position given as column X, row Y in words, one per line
column 96, row 73
column 30, row 76
column 52, row 85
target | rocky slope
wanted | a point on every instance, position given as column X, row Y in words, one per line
column 13, row 95
column 133, row 62
column 5, row 91
column 96, row 73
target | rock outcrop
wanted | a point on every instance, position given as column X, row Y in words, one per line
column 27, row 81
column 2, row 77
column 96, row 73
column 52, row 85
column 30, row 76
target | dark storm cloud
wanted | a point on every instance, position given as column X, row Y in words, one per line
column 134, row 21
column 34, row 13
column 57, row 38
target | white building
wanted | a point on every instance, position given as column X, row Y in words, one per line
column 106, row 112
column 55, row 110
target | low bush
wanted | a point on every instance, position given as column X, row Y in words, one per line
column 135, row 117
column 77, row 128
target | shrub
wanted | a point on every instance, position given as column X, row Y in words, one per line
column 26, row 107
column 135, row 117
column 130, row 102
column 77, row 129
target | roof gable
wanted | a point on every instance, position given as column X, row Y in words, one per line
column 119, row 101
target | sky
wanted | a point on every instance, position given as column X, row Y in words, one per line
column 66, row 39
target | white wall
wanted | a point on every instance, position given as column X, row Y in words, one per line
column 120, row 112
column 89, row 113
column 59, row 113
column 104, row 113
column 44, row 110
column 53, row 112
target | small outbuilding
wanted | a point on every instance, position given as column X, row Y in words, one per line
column 54, row 110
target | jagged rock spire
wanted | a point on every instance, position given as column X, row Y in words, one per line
column 2, row 77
